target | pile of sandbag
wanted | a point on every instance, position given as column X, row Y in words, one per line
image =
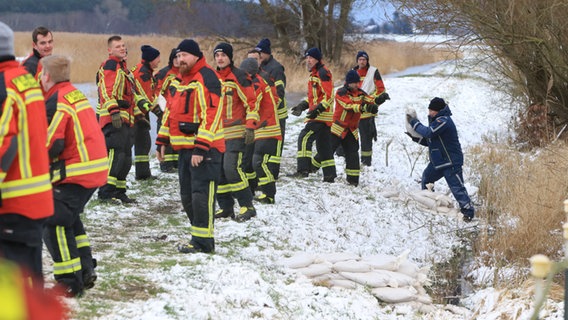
column 426, row 200
column 391, row 279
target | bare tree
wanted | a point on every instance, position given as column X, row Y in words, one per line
column 528, row 39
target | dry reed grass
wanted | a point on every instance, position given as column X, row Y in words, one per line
column 88, row 51
column 523, row 195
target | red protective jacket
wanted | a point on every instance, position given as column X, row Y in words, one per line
column 267, row 100
column 75, row 142
column 238, row 102
column 115, row 87
column 348, row 111
column 25, row 187
column 31, row 63
column 194, row 117
column 144, row 76
column 320, row 90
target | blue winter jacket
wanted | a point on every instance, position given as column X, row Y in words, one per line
column 441, row 137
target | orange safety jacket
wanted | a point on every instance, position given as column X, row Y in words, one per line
column 269, row 124
column 379, row 85
column 75, row 142
column 32, row 65
column 164, row 78
column 348, row 111
column 194, row 117
column 25, row 187
column 116, row 92
column 238, row 102
column 145, row 80
column 320, row 90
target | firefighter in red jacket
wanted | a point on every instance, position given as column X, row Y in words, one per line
column 318, row 120
column 79, row 165
column 117, row 111
column 42, row 47
column 146, row 85
column 193, row 126
column 164, row 79
column 372, row 83
column 240, row 118
column 26, row 199
column 268, row 136
column 350, row 102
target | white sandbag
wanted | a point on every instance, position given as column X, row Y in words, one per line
column 444, row 200
column 351, row 266
column 389, row 193
column 342, row 283
column 382, row 261
column 408, row 268
column 397, row 279
column 427, row 193
column 338, row 256
column 423, row 200
column 395, row 295
column 315, row 270
column 412, row 112
column 372, row 279
column 324, row 278
column 299, row 260
column 443, row 209
column 424, row 298
column 162, row 102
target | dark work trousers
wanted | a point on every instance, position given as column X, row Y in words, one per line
column 170, row 162
column 351, row 153
column 280, row 147
column 367, row 132
column 264, row 150
column 320, row 133
column 20, row 242
column 65, row 237
column 197, row 190
column 234, row 182
column 454, row 178
column 119, row 147
column 142, row 145
column 248, row 168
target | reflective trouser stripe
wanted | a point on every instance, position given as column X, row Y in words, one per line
column 268, row 177
column 82, row 241
column 67, row 264
column 141, row 158
column 208, row 231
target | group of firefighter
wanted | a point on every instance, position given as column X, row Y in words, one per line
column 222, row 129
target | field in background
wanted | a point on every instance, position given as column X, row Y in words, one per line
column 88, row 51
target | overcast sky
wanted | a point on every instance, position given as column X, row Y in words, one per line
column 379, row 10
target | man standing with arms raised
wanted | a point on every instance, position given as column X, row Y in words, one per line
column 193, row 126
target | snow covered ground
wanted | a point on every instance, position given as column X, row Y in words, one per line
column 136, row 245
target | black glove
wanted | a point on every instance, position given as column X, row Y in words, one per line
column 373, row 131
column 249, row 136
column 370, row 108
column 143, row 105
column 116, row 120
column 413, row 138
column 316, row 112
column 382, row 98
column 158, row 112
column 298, row 109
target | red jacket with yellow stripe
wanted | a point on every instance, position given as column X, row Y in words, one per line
column 194, row 117
column 115, row 87
column 75, row 142
column 25, row 187
column 238, row 102
column 267, row 101
column 320, row 90
column 348, row 111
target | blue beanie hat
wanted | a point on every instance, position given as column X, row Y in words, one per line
column 263, row 46
column 437, row 104
column 225, row 48
column 362, row 54
column 352, row 77
column 314, row 53
column 149, row 53
column 190, row 46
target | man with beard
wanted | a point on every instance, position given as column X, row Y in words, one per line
column 193, row 127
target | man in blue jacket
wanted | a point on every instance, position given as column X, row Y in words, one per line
column 446, row 156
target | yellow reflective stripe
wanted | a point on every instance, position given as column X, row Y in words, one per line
column 62, row 243
column 82, row 241
column 268, row 177
column 112, row 180
column 88, row 167
column 328, row 163
column 12, row 293
column 141, row 158
column 366, row 153
column 66, row 267
column 5, row 119
column 121, row 184
column 77, row 130
column 171, row 157
column 55, row 121
column 24, row 153
column 352, row 172
column 275, row 159
column 25, row 187
column 304, row 152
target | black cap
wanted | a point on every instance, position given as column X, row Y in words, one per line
column 189, row 46
column 437, row 104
